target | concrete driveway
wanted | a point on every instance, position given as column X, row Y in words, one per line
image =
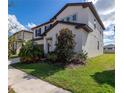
column 24, row 83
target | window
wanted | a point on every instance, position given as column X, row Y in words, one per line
column 47, row 27
column 63, row 20
column 51, row 25
column 38, row 32
column 98, row 45
column 74, row 17
column 94, row 23
column 68, row 18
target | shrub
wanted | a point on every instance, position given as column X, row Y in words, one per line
column 80, row 58
column 52, row 57
column 83, row 55
column 11, row 52
column 65, row 45
column 30, row 52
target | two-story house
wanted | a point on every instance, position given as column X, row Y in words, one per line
column 82, row 19
column 16, row 40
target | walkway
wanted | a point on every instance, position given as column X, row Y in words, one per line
column 24, row 83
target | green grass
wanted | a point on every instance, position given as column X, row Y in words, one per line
column 98, row 76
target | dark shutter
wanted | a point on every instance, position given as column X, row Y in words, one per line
column 36, row 33
column 98, row 45
column 45, row 28
column 74, row 17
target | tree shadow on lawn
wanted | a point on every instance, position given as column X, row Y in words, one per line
column 41, row 70
column 105, row 77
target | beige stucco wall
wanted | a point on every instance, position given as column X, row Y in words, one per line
column 28, row 36
column 84, row 40
column 19, row 35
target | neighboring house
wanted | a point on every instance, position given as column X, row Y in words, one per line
column 109, row 48
column 82, row 19
column 16, row 40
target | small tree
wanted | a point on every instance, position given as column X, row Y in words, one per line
column 65, row 45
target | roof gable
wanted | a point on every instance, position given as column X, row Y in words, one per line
column 84, row 5
column 77, row 25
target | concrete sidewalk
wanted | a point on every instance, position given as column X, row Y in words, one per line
column 13, row 60
column 24, row 83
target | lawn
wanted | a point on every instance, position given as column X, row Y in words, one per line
column 98, row 76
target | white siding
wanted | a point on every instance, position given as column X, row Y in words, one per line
column 82, row 15
column 57, row 28
column 84, row 40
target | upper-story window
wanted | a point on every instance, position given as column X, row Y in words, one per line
column 68, row 19
column 74, row 17
column 63, row 20
column 48, row 26
column 37, row 32
column 94, row 23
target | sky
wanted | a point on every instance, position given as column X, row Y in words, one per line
column 29, row 13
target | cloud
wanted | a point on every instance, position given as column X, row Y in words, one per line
column 14, row 25
column 94, row 1
column 109, row 34
column 108, row 19
column 105, row 5
column 30, row 25
column 106, row 10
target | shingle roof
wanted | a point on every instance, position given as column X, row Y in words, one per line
column 77, row 25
